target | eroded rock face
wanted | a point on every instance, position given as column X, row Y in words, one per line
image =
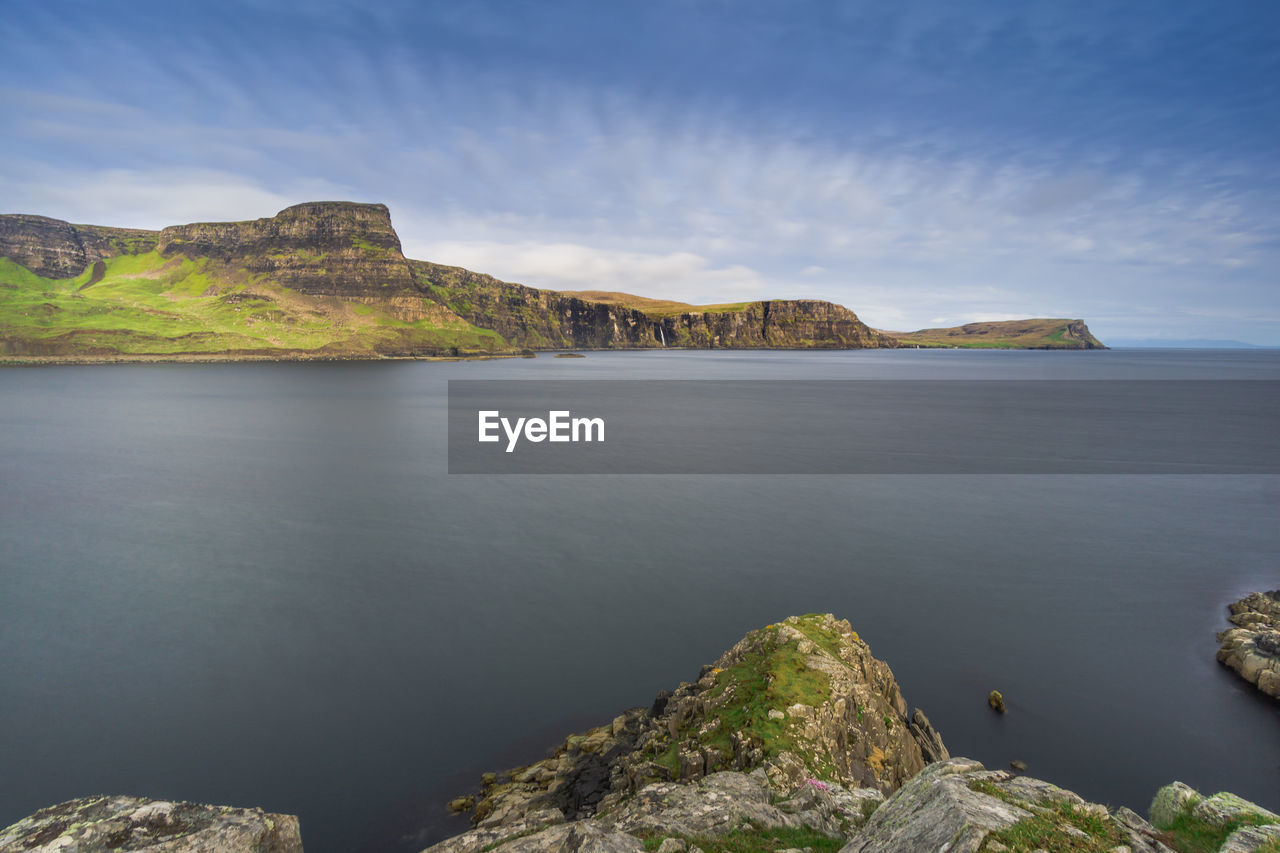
column 110, row 824
column 55, row 249
column 800, row 700
column 958, row 806
column 526, row 316
column 1252, row 648
column 327, row 248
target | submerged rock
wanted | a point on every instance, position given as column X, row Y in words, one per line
column 102, row 824
column 1252, row 648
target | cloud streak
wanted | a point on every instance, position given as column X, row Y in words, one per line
column 911, row 164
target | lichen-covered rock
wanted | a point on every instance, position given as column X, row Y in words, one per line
column 716, row 804
column 1170, row 801
column 110, row 824
column 1249, row 839
column 582, row 837
column 1252, row 648
column 831, row 808
column 959, row 807
column 1181, row 807
column 489, row 837
column 802, row 699
column 1224, row 808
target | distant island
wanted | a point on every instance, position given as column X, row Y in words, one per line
column 329, row 280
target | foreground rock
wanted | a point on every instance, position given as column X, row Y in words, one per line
column 1252, row 648
column 960, row 807
column 802, row 699
column 1224, row 822
column 716, row 805
column 104, row 824
column 953, row 806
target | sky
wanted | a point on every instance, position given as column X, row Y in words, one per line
column 922, row 163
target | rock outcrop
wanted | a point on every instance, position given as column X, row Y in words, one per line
column 1223, row 822
column 323, row 248
column 960, row 807
column 56, row 249
column 110, row 824
column 1252, row 648
column 800, row 700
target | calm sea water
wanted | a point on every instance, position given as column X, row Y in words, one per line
column 256, row 584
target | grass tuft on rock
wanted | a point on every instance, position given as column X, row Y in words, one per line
column 1190, row 834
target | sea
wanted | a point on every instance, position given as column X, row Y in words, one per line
column 257, row 584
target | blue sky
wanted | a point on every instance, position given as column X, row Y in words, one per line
column 922, row 163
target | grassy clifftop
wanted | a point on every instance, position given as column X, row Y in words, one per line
column 150, row 305
column 1036, row 333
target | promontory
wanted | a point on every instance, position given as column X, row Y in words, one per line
column 330, row 280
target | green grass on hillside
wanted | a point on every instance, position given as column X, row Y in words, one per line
column 773, row 679
column 1036, row 333
column 151, row 305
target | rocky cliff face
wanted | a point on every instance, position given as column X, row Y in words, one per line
column 56, row 249
column 1252, row 648
column 535, row 318
column 803, row 699
column 319, row 248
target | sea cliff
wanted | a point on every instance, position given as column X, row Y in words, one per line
column 330, row 280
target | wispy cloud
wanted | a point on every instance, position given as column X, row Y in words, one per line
column 911, row 164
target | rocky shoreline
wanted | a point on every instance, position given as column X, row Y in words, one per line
column 1252, row 648
column 797, row 740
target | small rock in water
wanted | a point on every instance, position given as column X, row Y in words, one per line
column 1020, row 766
column 462, row 804
column 996, row 701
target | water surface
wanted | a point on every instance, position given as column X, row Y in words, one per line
column 256, row 584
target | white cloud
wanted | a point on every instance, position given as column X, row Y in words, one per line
column 567, row 266
column 150, row 198
column 578, row 191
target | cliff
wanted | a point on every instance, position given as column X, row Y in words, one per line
column 330, row 280
column 1035, row 333
column 327, row 248
column 318, row 280
column 534, row 318
column 52, row 248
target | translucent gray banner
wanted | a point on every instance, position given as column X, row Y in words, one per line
column 864, row 427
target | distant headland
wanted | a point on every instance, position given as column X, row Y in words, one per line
column 328, row 280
